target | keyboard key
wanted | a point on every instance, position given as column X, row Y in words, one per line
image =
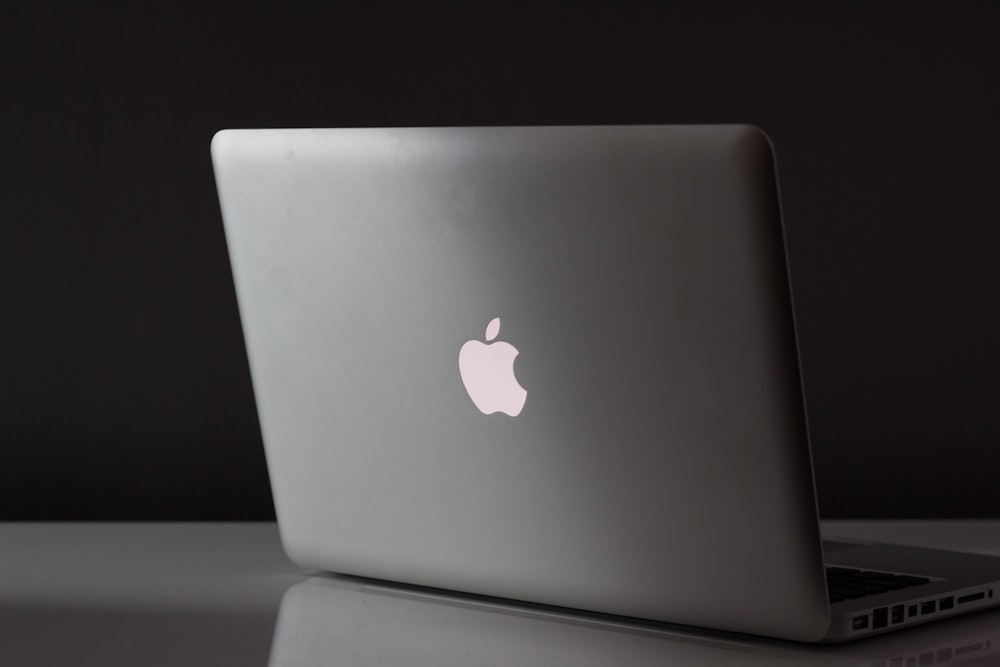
column 844, row 583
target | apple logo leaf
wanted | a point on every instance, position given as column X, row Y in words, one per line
column 493, row 329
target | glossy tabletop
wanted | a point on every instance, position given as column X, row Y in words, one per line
column 224, row 594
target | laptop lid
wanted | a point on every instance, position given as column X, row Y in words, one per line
column 554, row 364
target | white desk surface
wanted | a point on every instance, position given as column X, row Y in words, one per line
column 210, row 593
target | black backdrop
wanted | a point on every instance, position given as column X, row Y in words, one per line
column 125, row 389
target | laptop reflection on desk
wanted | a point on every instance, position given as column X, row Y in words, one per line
column 348, row 621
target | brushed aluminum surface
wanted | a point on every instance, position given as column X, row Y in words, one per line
column 660, row 467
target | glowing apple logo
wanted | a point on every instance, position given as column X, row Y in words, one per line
column 487, row 372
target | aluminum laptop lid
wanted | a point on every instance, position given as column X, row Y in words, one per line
column 657, row 464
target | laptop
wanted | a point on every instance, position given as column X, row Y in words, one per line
column 550, row 364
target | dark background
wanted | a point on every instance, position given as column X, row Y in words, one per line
column 125, row 388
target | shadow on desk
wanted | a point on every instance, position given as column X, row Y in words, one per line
column 33, row 636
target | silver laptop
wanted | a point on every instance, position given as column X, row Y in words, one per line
column 550, row 364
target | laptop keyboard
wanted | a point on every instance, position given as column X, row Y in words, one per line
column 846, row 583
